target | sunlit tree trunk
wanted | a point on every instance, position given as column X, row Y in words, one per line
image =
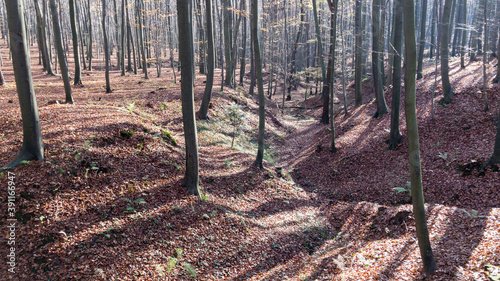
column 260, row 85
column 185, row 24
column 210, row 61
column 89, row 52
column 60, row 52
column 463, row 20
column 76, row 53
column 421, row 48
column 413, row 141
column 106, row 47
column 376, row 62
column 226, row 5
column 358, row 54
column 445, row 29
column 32, row 148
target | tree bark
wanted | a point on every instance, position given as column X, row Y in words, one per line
column 463, row 20
column 260, row 86
column 226, row 5
column 210, row 61
column 376, row 66
column 89, row 52
column 358, row 55
column 421, row 48
column 76, row 53
column 413, row 141
column 445, row 29
column 328, row 83
column 32, row 148
column 60, row 52
column 191, row 177
column 106, row 48
column 395, row 137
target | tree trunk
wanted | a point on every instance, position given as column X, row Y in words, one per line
column 395, row 137
column 191, row 177
column 106, row 48
column 497, row 78
column 320, row 50
column 293, row 63
column 495, row 158
column 89, row 52
column 122, row 60
column 445, row 29
column 433, row 29
column 421, row 48
column 328, row 83
column 485, row 56
column 413, row 141
column 260, row 86
column 226, row 6
column 243, row 50
column 60, row 52
column 32, row 148
column 140, row 17
column 358, row 55
column 463, row 20
column 376, row 67
column 210, row 61
column 42, row 40
column 76, row 53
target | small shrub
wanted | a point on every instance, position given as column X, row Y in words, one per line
column 126, row 134
column 168, row 137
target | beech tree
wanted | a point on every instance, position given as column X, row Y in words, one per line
column 422, row 40
column 210, row 61
column 260, row 85
column 76, row 53
column 106, row 48
column 413, row 141
column 32, row 148
column 358, row 50
column 184, row 19
column 395, row 136
column 60, row 52
column 444, row 50
column 376, row 61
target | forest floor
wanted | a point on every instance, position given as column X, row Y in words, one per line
column 107, row 201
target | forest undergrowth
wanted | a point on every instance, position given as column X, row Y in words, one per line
column 107, row 202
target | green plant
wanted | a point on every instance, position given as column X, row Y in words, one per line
column 126, row 134
column 228, row 163
column 190, row 269
column 131, row 107
column 474, row 214
column 399, row 189
column 168, row 137
column 171, row 264
column 178, row 253
column 443, row 156
column 236, row 119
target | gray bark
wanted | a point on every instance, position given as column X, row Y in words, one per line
column 210, row 61
column 413, row 141
column 260, row 86
column 191, row 177
column 32, row 148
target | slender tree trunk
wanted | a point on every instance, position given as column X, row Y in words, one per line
column 358, row 54
column 32, row 148
column 495, row 158
column 140, row 17
column 497, row 78
column 210, row 61
column 433, row 29
column 395, row 137
column 89, row 52
column 293, row 63
column 376, row 67
column 76, row 53
column 328, row 83
column 47, row 66
column 60, row 52
column 413, row 141
column 260, row 85
column 122, row 60
column 191, row 177
column 320, row 50
column 485, row 56
column 445, row 29
column 106, row 47
column 227, row 41
column 243, row 50
column 463, row 20
column 421, row 48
